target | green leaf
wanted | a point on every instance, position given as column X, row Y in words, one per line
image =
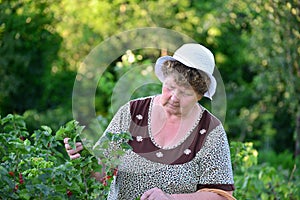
column 125, row 146
column 25, row 194
column 47, row 129
column 60, row 134
column 27, row 145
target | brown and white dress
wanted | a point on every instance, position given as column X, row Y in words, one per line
column 200, row 160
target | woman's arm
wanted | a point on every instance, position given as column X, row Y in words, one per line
column 211, row 194
column 75, row 153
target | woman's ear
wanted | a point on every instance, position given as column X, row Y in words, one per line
column 199, row 96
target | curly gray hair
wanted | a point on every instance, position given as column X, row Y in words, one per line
column 185, row 76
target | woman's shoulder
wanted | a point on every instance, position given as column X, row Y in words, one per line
column 211, row 115
column 140, row 99
column 134, row 104
column 210, row 119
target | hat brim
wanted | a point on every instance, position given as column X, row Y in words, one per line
column 159, row 63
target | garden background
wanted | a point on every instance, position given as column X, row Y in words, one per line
column 43, row 43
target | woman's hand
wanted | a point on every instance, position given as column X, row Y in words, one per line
column 156, row 194
column 73, row 153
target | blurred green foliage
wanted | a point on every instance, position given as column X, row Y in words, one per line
column 261, row 179
column 256, row 46
column 29, row 46
column 34, row 165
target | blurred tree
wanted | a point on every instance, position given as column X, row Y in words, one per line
column 276, row 48
column 28, row 46
column 256, row 45
column 98, row 20
column 267, row 97
column 239, row 33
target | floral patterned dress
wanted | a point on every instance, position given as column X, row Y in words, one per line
column 200, row 160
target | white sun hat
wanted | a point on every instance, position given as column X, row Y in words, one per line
column 195, row 56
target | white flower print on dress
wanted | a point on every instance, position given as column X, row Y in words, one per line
column 159, row 154
column 187, row 151
column 139, row 138
column 139, row 117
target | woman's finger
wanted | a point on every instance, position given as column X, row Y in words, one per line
column 66, row 140
column 147, row 194
column 156, row 194
column 74, row 151
column 67, row 147
column 77, row 155
column 78, row 146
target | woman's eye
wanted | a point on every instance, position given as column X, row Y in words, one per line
column 170, row 88
column 187, row 94
column 181, row 93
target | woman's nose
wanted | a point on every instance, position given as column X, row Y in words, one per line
column 175, row 96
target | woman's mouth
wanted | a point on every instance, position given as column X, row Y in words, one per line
column 174, row 106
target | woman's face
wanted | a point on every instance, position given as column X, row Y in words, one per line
column 178, row 100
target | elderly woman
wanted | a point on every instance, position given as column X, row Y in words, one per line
column 179, row 149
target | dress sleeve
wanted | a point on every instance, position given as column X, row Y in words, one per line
column 215, row 169
column 121, row 120
column 119, row 123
